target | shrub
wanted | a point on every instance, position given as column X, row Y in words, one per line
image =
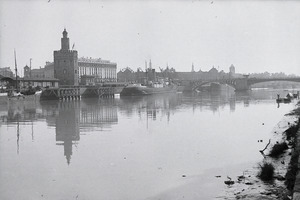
column 295, row 111
column 278, row 149
column 266, row 172
column 291, row 132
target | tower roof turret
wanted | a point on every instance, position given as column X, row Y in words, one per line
column 65, row 44
column 65, row 33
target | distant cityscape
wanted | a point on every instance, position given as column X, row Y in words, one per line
column 68, row 69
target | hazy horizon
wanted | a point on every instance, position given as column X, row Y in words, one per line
column 254, row 36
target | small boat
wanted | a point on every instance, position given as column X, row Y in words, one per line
column 17, row 96
column 283, row 100
column 156, row 88
column 286, row 99
column 13, row 97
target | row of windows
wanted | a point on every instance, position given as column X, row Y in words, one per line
column 101, row 72
column 81, row 64
column 41, row 84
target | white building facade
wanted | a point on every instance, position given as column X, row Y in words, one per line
column 95, row 70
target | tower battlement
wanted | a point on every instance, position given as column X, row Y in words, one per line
column 66, row 63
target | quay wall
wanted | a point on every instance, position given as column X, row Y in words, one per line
column 74, row 93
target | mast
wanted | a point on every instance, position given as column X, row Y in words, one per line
column 146, row 71
column 150, row 64
column 30, row 68
column 16, row 69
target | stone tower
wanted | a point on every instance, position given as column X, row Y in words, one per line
column 26, row 72
column 66, row 63
column 232, row 69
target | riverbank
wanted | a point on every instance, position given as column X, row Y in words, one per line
column 249, row 185
column 296, row 189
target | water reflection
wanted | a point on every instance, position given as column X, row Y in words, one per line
column 212, row 101
column 100, row 113
column 141, row 142
column 153, row 106
column 71, row 119
column 18, row 137
column 67, row 126
column 20, row 112
column 91, row 114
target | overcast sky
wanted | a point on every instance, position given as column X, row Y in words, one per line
column 254, row 36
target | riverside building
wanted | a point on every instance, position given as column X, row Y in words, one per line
column 6, row 72
column 93, row 71
column 71, row 70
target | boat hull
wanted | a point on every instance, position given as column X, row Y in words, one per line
column 283, row 100
column 142, row 90
column 24, row 98
column 3, row 98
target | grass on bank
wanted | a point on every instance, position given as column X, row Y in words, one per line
column 266, row 172
column 290, row 176
column 291, row 173
column 295, row 111
column 278, row 149
column 291, row 132
column 291, row 136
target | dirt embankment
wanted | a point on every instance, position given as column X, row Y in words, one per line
column 274, row 177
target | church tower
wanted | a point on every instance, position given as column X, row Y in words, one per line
column 231, row 71
column 193, row 70
column 26, row 72
column 66, row 63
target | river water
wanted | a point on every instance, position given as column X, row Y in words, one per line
column 153, row 147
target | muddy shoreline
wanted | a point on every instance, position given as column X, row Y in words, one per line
column 249, row 185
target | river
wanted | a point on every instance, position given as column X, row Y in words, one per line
column 153, row 147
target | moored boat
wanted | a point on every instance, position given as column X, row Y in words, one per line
column 286, row 99
column 283, row 100
column 139, row 89
column 14, row 97
column 15, row 93
column 152, row 84
column 21, row 97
